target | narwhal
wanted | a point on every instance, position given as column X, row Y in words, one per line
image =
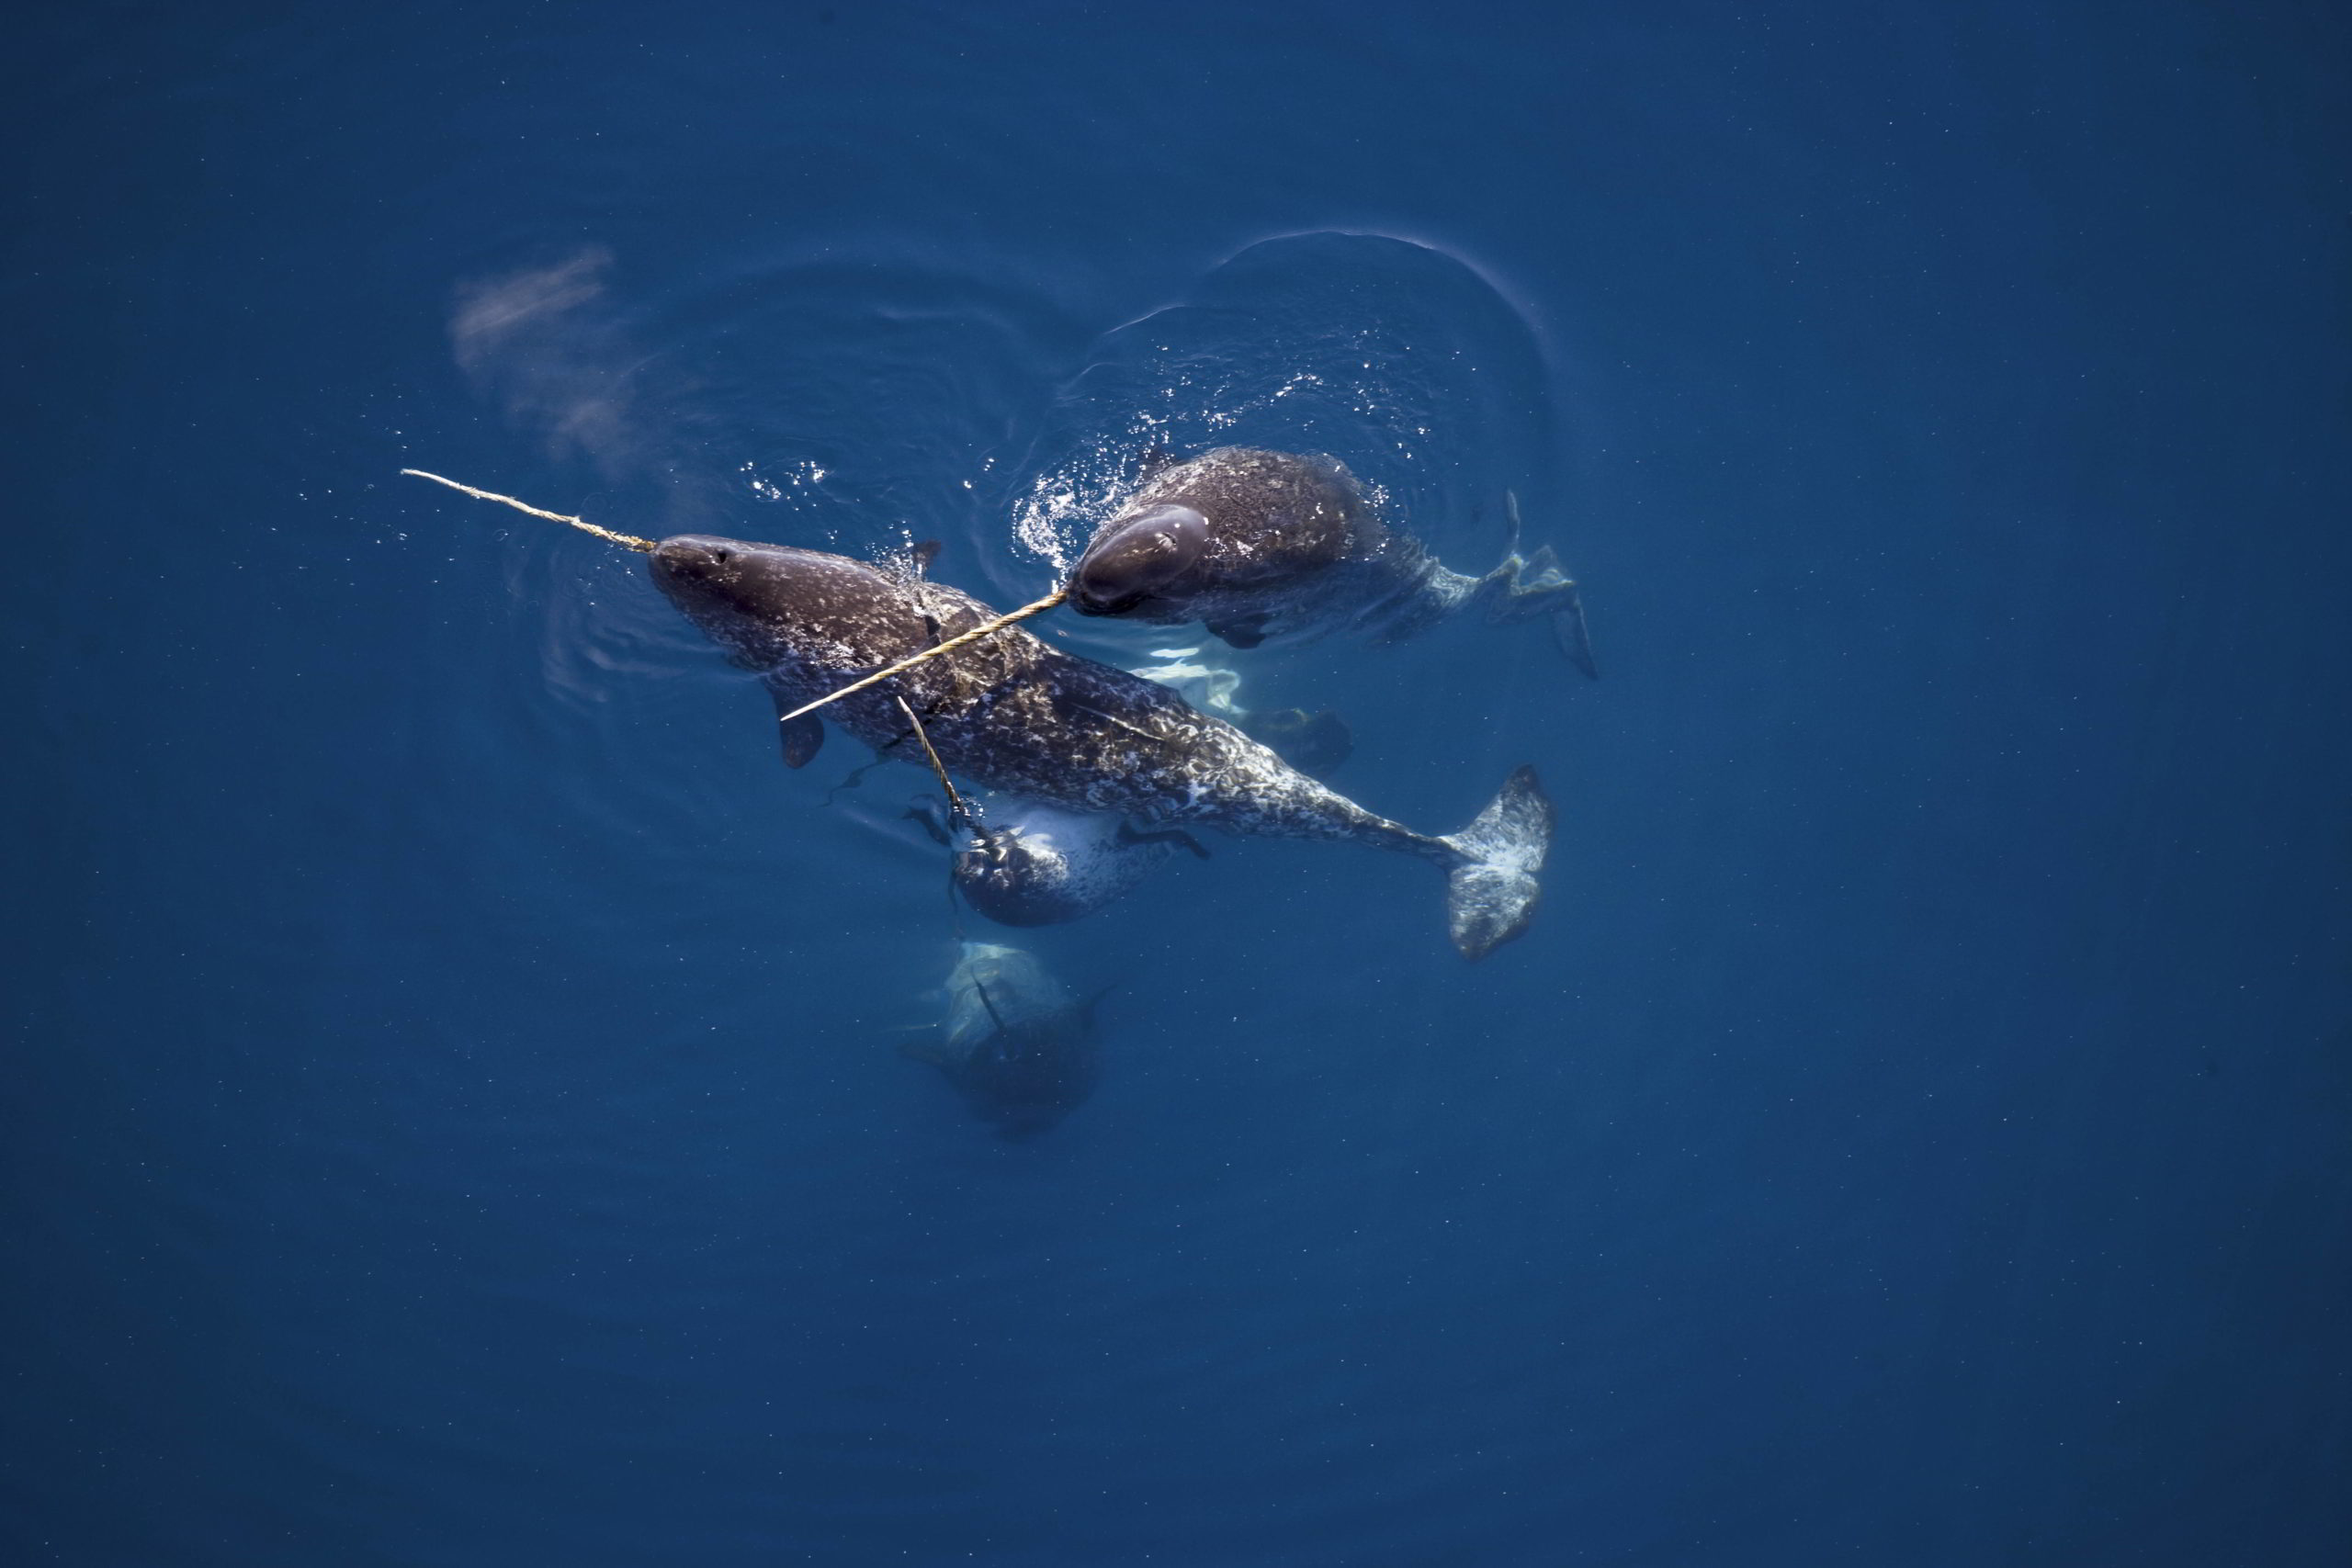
column 1257, row 544
column 1021, row 863
column 1005, row 710
column 1024, row 864
column 1017, row 1045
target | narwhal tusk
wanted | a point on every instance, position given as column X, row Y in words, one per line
column 985, row 628
column 629, row 540
column 965, row 813
column 648, row 546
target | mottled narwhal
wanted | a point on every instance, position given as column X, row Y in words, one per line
column 1024, row 864
column 1256, row 545
column 1013, row 713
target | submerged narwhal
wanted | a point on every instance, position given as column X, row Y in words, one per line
column 1014, row 1041
column 1012, row 714
column 1255, row 544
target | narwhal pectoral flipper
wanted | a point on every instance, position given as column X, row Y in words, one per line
column 1491, row 892
column 1132, row 836
column 802, row 736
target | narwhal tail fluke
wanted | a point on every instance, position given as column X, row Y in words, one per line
column 1525, row 587
column 1490, row 894
column 1534, row 587
column 1575, row 637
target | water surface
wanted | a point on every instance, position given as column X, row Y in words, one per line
column 455, row 1117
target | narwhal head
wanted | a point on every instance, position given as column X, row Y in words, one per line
column 792, row 615
column 1019, row 878
column 1137, row 565
column 771, row 604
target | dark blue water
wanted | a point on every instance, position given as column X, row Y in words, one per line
column 452, row 1116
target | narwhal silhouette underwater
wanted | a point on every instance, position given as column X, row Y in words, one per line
column 1257, row 544
column 1014, row 1041
column 1007, row 710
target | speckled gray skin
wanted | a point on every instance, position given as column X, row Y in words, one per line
column 1012, row 714
column 1025, row 863
column 1038, row 865
column 1257, row 544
